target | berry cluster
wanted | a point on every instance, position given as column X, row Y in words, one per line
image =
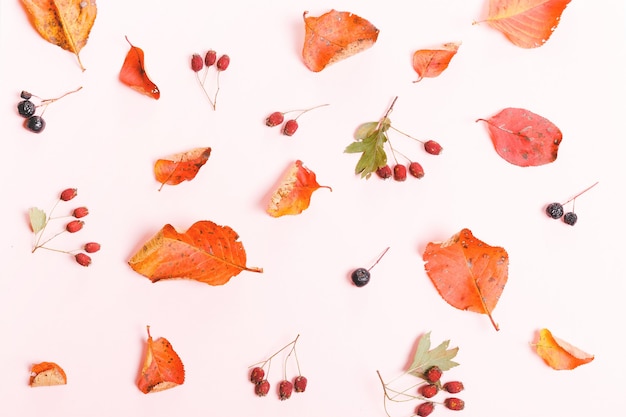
column 432, row 387
column 361, row 276
column 556, row 210
column 210, row 59
column 39, row 221
column 28, row 109
column 258, row 375
column 291, row 125
column 416, row 170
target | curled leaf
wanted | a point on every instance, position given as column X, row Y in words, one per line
column 524, row 138
column 293, row 194
column 468, row 273
column 206, row 252
column 162, row 368
column 65, row 23
column 133, row 73
column 46, row 374
column 430, row 63
column 335, row 36
column 180, row 167
column 558, row 354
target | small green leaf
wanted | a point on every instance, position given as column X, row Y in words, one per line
column 37, row 219
column 425, row 357
column 365, row 130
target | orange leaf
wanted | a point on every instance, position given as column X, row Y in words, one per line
column 65, row 23
column 46, row 374
column 206, row 252
column 468, row 274
column 133, row 73
column 180, row 167
column 526, row 23
column 293, row 194
column 162, row 368
column 558, row 354
column 335, row 36
column 430, row 63
column 524, row 138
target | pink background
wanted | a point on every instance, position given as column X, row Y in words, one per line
column 105, row 139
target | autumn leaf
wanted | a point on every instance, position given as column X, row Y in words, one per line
column 467, row 273
column 206, row 252
column 162, row 368
column 180, row 167
column 524, row 138
column 46, row 374
column 133, row 73
column 425, row 357
column 65, row 23
column 526, row 23
column 559, row 354
column 335, row 36
column 37, row 219
column 293, row 194
column 430, row 63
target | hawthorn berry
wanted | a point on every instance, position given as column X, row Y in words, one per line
column 416, row 170
column 433, row 374
column 210, row 58
column 262, row 388
column 429, row 391
column 384, row 172
column 223, row 62
column 399, row 172
column 35, row 124
column 453, row 387
column 26, row 108
column 274, row 119
column 424, row 409
column 555, row 210
column 257, row 374
column 68, row 194
column 299, row 383
column 453, row 403
column 285, row 388
column 83, row 259
column 290, row 127
column 432, row 147
column 92, row 247
column 80, row 212
column 74, row 226
column 196, row 62
column 570, row 218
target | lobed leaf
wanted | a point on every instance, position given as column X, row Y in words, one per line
column 425, row 357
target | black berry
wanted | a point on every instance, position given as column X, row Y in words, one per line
column 35, row 124
column 570, row 218
column 360, row 277
column 555, row 210
column 25, row 95
column 26, row 108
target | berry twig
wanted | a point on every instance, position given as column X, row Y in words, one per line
column 210, row 58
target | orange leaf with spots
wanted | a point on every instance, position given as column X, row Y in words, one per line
column 526, row 23
column 206, row 252
column 430, row 63
column 335, row 36
column 65, row 23
column 180, row 167
column 133, row 73
column 524, row 138
column 467, row 273
column 293, row 194
column 558, row 354
column 162, row 368
column 46, row 374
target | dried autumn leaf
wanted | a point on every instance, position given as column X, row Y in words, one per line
column 559, row 354
column 425, row 357
column 524, row 138
column 526, row 23
column 293, row 194
column 206, row 252
column 180, row 167
column 46, row 374
column 162, row 368
column 37, row 218
column 430, row 63
column 467, row 273
column 335, row 36
column 133, row 73
column 65, row 23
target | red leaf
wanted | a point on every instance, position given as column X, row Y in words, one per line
column 134, row 75
column 467, row 273
column 524, row 138
column 162, row 368
column 558, row 354
column 430, row 63
column 181, row 167
column 335, row 36
column 45, row 374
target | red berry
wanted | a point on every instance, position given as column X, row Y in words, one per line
column 453, row 387
column 223, row 63
column 384, row 172
column 300, row 383
column 74, row 226
column 68, row 194
column 210, row 57
column 429, row 391
column 416, row 170
column 256, row 375
column 290, row 127
column 83, row 259
column 424, row 409
column 80, row 212
column 399, row 172
column 285, row 389
column 262, row 388
column 92, row 247
column 196, row 62
column 454, row 403
column 275, row 119
column 432, row 147
column 433, row 374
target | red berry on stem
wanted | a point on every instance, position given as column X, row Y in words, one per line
column 196, row 62
column 285, row 389
column 256, row 375
column 68, row 194
column 453, row 403
column 453, row 387
column 74, row 226
column 429, row 391
column 92, row 247
column 262, row 388
column 223, row 63
column 399, row 172
column 424, row 409
column 83, row 259
column 290, row 127
column 275, row 119
column 210, row 58
column 80, row 212
column 433, row 374
column 416, row 170
column 432, row 147
column 384, row 172
column 299, row 383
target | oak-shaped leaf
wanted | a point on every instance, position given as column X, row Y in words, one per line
column 162, row 368
column 526, row 23
column 206, row 252
column 45, row 374
column 425, row 357
column 468, row 273
column 65, row 23
column 293, row 194
column 37, row 219
column 335, row 36
column 559, row 354
column 430, row 63
column 134, row 75
column 524, row 138
column 180, row 167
